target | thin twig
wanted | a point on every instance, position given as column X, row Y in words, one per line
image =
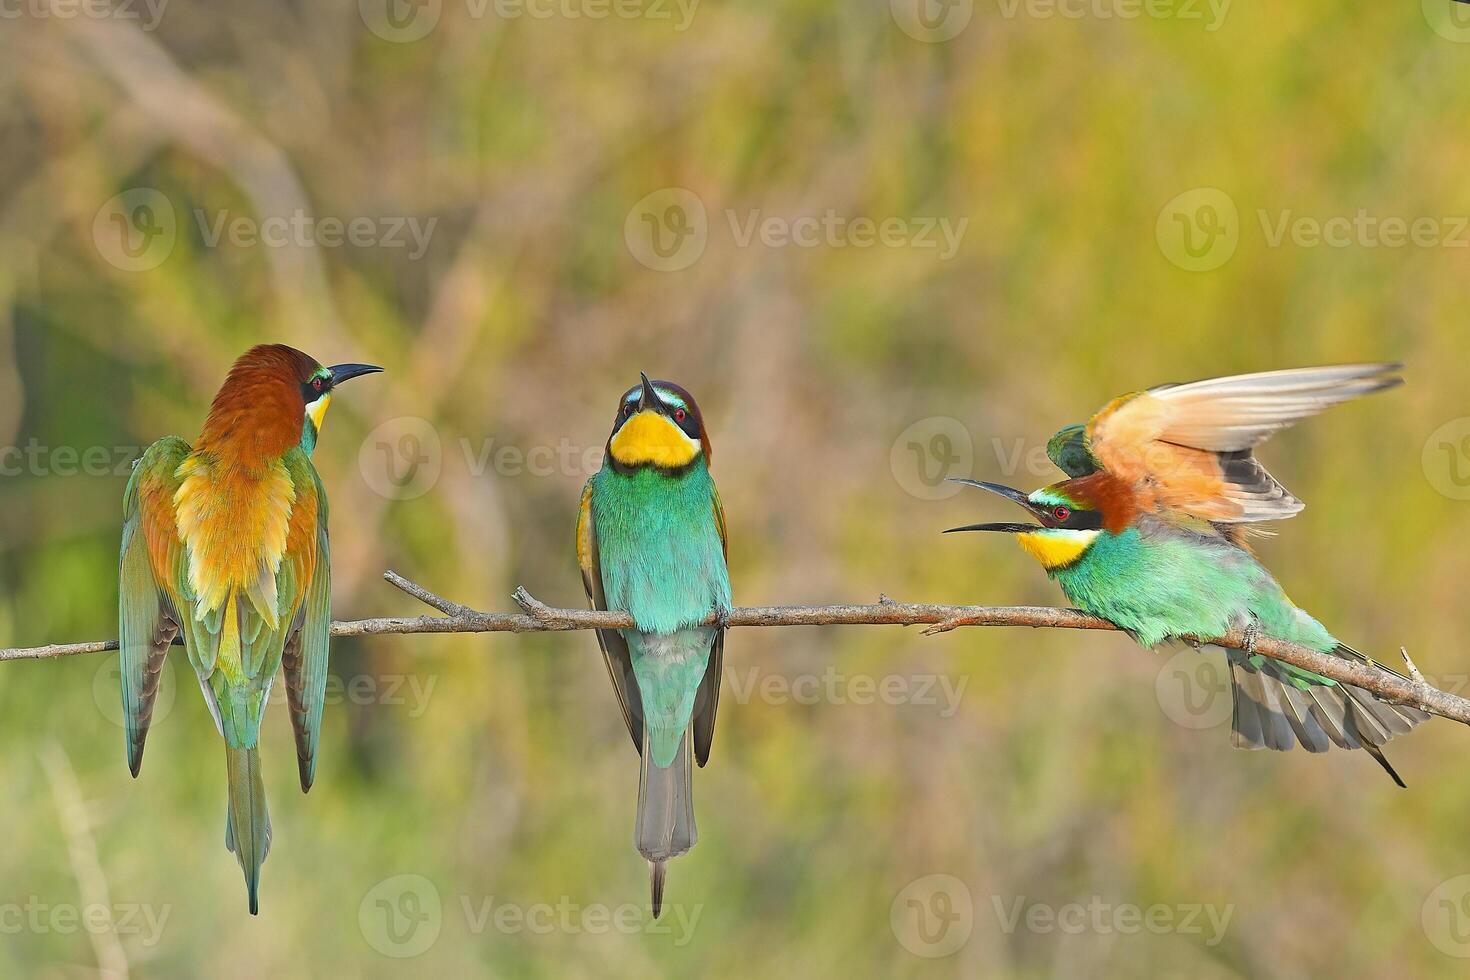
column 537, row 617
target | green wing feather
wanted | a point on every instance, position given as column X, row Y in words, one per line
column 614, row 648
column 147, row 616
column 707, row 700
column 306, row 654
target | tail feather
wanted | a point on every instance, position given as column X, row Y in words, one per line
column 1246, row 730
column 247, row 821
column 1306, row 728
column 665, row 827
column 1272, row 711
column 656, row 872
column 1331, row 712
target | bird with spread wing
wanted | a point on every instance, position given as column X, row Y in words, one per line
column 1150, row 533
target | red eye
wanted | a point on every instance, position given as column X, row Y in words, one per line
column 627, row 410
column 1060, row 513
column 679, row 415
column 316, row 384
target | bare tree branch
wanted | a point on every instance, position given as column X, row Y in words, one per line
column 537, row 617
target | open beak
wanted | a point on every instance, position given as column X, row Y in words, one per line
column 1008, row 493
column 346, row 372
column 649, row 399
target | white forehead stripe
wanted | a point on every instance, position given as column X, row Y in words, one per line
column 664, row 394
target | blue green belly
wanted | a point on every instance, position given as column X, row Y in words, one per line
column 1169, row 583
column 663, row 561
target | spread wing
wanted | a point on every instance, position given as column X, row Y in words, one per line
column 304, row 659
column 148, row 619
column 707, row 699
column 1188, row 448
column 614, row 647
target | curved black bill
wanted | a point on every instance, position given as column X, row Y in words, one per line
column 1010, row 494
column 649, row 398
column 1007, row 492
column 346, row 372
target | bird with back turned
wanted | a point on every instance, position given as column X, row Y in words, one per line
column 225, row 545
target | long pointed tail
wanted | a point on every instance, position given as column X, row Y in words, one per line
column 665, row 827
column 247, row 822
column 1274, row 711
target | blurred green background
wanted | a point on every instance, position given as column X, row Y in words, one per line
column 1131, row 194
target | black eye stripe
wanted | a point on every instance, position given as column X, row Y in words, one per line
column 1082, row 520
column 309, row 391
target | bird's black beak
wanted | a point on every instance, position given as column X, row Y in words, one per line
column 1008, row 493
column 346, row 372
column 649, row 399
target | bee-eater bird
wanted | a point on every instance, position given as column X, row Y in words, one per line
column 651, row 542
column 225, row 543
column 1150, row 534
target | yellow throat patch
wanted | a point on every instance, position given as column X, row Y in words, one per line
column 1055, row 548
column 649, row 437
column 318, row 411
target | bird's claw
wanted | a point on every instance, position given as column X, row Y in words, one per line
column 1252, row 632
column 722, row 618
